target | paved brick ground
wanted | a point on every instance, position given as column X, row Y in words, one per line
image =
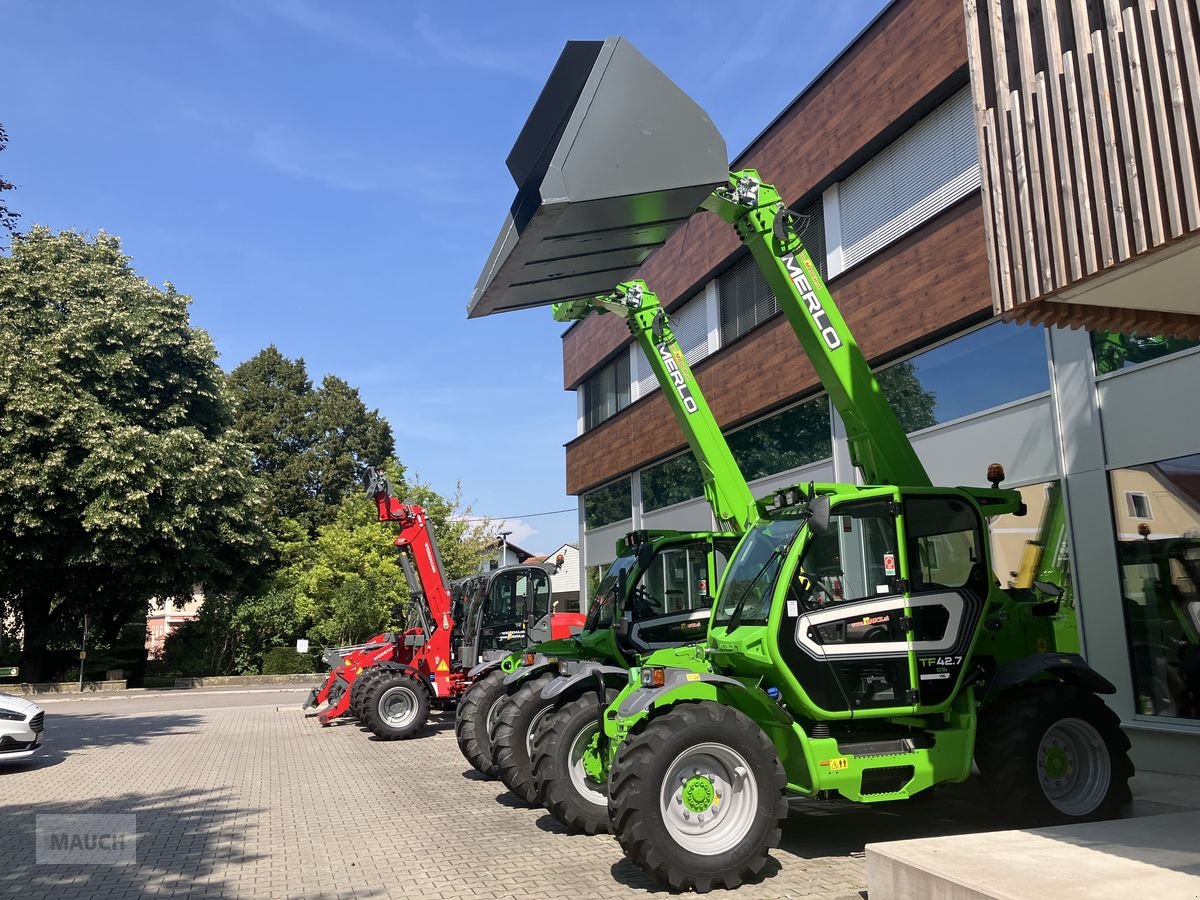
column 258, row 801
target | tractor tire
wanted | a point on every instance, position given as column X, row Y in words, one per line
column 513, row 736
column 560, row 783
column 396, row 706
column 358, row 688
column 1053, row 753
column 696, row 798
column 474, row 719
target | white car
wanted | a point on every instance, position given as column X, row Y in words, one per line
column 21, row 725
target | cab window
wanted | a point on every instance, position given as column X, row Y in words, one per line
column 853, row 559
column 944, row 542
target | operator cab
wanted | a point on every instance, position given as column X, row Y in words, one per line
column 659, row 595
column 889, row 565
column 509, row 608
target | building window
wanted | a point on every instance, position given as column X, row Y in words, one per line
column 607, row 392
column 608, row 504
column 997, row 364
column 927, row 169
column 671, row 481
column 787, row 440
column 746, row 301
column 1114, row 351
column 689, row 324
column 1138, row 505
column 1160, row 581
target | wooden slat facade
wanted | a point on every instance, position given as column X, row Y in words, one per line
column 1086, row 114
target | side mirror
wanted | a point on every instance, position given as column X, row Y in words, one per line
column 819, row 509
column 1048, row 588
column 645, row 554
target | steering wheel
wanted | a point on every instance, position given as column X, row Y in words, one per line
column 644, row 603
column 818, row 594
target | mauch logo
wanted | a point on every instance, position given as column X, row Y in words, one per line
column 815, row 309
column 80, row 839
column 675, row 363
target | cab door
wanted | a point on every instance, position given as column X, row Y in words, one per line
column 503, row 622
column 844, row 629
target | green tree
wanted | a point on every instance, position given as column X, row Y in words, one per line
column 8, row 218
column 312, row 445
column 119, row 478
column 347, row 584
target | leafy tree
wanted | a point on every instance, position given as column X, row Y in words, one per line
column 347, row 582
column 312, row 445
column 119, row 479
column 8, row 218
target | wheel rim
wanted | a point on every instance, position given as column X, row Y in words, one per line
column 489, row 722
column 398, row 706
column 1073, row 767
column 708, row 799
column 533, row 724
column 580, row 750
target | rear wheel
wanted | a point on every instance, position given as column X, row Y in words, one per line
column 1053, row 753
column 567, row 771
column 396, row 706
column 697, row 797
column 475, row 719
column 513, row 734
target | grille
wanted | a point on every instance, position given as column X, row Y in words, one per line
column 37, row 723
column 11, row 745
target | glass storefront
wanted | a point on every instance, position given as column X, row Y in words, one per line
column 1113, row 351
column 1156, row 509
column 608, row 504
column 671, row 481
column 787, row 440
column 983, row 369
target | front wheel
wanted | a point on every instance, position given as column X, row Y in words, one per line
column 697, row 797
column 359, row 687
column 475, row 719
column 568, row 774
column 396, row 706
column 512, row 736
column 1053, row 753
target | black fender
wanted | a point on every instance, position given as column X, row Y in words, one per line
column 581, row 678
column 488, row 665
column 1070, row 668
column 642, row 699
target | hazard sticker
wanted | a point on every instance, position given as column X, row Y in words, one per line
column 442, row 667
column 889, row 564
column 838, row 764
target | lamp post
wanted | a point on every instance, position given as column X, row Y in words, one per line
column 504, row 548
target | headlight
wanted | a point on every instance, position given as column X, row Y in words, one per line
column 654, row 676
column 564, row 667
column 530, row 659
column 11, row 716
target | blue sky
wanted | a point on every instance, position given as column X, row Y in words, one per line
column 329, row 177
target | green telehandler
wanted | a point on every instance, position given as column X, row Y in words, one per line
column 860, row 645
column 658, row 593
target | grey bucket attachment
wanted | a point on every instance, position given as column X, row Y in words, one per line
column 612, row 159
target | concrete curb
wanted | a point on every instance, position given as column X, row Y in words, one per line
column 64, row 687
column 232, row 680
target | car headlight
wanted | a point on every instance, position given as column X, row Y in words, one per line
column 11, row 716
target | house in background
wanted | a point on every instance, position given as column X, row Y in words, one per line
column 160, row 623
column 504, row 553
column 563, row 565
